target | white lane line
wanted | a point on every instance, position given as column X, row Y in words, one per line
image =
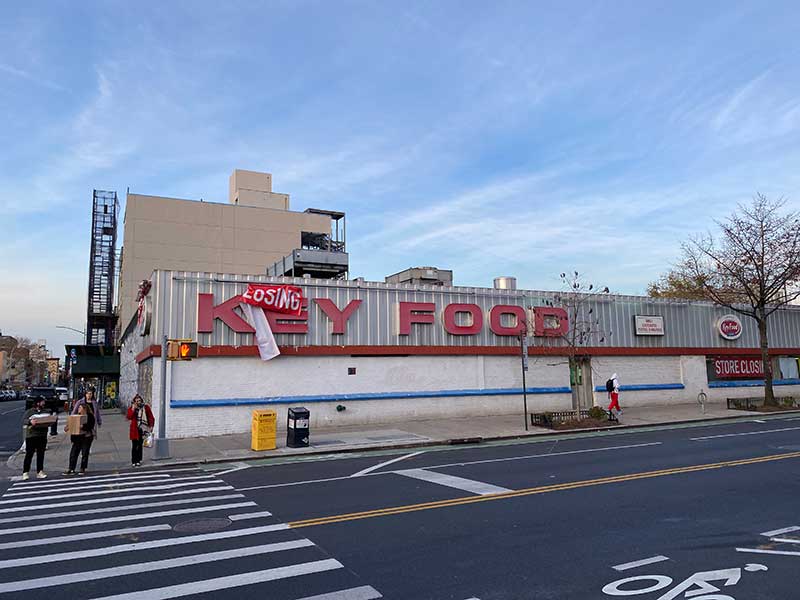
column 254, row 515
column 231, row 581
column 360, row 593
column 446, row 465
column 130, row 517
column 640, row 563
column 83, row 536
column 724, row 435
column 784, row 540
column 781, row 531
column 758, row 421
column 57, row 496
column 104, row 488
column 760, row 551
column 383, row 464
column 137, row 546
column 468, row 485
column 147, row 567
column 39, row 507
column 238, row 467
column 77, row 513
column 8, row 412
column 82, row 481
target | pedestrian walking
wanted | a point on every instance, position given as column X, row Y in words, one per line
column 82, row 442
column 35, row 440
column 612, row 387
column 142, row 421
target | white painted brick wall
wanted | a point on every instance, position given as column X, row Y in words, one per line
column 249, row 377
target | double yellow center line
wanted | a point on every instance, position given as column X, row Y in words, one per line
column 396, row 510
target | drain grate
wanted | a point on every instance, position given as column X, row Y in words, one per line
column 201, row 525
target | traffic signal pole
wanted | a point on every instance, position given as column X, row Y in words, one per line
column 162, row 443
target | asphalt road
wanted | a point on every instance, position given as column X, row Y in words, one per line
column 10, row 427
column 706, row 512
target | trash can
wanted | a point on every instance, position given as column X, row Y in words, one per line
column 262, row 432
column 297, row 428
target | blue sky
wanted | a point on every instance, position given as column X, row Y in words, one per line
column 491, row 138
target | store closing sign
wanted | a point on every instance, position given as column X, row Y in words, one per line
column 285, row 299
column 730, row 368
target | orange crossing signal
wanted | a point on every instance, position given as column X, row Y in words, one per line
column 181, row 350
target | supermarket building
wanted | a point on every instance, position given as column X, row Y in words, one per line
column 376, row 352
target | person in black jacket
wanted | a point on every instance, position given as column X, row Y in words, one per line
column 35, row 440
column 82, row 443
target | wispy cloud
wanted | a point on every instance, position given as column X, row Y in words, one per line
column 40, row 81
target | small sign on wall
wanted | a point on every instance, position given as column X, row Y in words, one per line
column 649, row 325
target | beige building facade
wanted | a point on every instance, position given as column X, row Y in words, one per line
column 245, row 236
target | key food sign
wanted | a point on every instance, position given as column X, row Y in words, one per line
column 649, row 325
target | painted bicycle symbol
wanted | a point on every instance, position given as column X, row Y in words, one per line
column 697, row 586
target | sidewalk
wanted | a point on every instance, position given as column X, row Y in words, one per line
column 111, row 450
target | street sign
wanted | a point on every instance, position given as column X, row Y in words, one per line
column 524, row 353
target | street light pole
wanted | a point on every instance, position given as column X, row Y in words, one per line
column 83, row 333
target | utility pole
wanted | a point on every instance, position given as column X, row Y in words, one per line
column 523, row 344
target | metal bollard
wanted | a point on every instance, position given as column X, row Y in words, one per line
column 701, row 400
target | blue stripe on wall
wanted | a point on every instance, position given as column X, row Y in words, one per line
column 751, row 383
column 640, row 387
column 396, row 395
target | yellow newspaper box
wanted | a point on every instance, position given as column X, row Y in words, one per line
column 263, row 430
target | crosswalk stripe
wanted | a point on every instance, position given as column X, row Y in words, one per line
column 468, row 485
column 101, row 486
column 128, row 517
column 108, row 509
column 364, row 592
column 254, row 515
column 156, row 565
column 231, row 581
column 82, row 481
column 83, row 536
column 188, row 539
column 168, row 486
column 32, row 505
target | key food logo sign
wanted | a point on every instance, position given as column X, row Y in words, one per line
column 729, row 327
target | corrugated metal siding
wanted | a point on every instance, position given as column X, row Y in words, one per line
column 374, row 323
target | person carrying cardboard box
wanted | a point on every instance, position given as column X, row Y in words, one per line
column 82, row 438
column 35, row 439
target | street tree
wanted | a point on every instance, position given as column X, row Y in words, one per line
column 583, row 328
column 751, row 267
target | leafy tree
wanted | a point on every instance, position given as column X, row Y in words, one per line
column 751, row 268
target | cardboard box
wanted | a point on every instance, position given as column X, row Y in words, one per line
column 44, row 418
column 74, row 424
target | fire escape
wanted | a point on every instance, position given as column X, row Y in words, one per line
column 100, row 319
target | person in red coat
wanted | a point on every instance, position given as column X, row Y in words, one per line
column 142, row 421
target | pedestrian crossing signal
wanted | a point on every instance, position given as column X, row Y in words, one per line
column 181, row 350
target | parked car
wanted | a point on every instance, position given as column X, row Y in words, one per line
column 7, row 395
column 63, row 394
column 52, row 401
